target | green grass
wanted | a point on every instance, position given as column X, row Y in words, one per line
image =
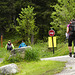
column 3, row 52
column 40, row 68
column 60, row 50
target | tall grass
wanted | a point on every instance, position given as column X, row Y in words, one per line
column 32, row 55
column 60, row 50
column 3, row 52
column 42, row 48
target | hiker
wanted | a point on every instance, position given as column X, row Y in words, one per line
column 71, row 38
column 22, row 44
column 9, row 45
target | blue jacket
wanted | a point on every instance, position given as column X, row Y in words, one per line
column 22, row 45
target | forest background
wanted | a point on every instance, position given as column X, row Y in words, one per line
column 32, row 19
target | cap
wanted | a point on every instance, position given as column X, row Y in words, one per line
column 9, row 40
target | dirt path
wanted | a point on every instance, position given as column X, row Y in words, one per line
column 70, row 65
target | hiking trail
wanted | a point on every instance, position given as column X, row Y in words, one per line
column 69, row 69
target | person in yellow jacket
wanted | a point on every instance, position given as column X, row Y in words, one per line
column 9, row 45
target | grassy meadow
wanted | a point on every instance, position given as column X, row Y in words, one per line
column 38, row 67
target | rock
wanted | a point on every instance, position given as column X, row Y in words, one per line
column 8, row 69
column 19, row 50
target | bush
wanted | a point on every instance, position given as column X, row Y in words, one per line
column 32, row 55
column 29, row 55
column 16, row 58
column 13, row 59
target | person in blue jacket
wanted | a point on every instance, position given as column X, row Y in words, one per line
column 22, row 44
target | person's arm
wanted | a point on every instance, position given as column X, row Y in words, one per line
column 12, row 46
column 67, row 30
column 19, row 46
column 24, row 44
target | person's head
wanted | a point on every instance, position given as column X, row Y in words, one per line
column 72, row 20
column 22, row 41
column 9, row 41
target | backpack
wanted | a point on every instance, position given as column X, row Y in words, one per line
column 72, row 29
column 9, row 47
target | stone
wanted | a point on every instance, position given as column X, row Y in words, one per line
column 19, row 50
column 8, row 69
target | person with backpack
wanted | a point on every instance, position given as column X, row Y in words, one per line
column 71, row 38
column 9, row 46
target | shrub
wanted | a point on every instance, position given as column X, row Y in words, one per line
column 32, row 55
column 29, row 55
column 40, row 41
column 16, row 58
column 12, row 59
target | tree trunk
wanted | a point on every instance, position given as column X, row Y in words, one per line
column 32, row 39
column 14, row 20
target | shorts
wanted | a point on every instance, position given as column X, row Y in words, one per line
column 70, row 39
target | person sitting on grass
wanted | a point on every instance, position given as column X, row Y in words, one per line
column 9, row 45
column 22, row 44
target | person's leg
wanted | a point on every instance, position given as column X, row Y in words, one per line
column 70, row 51
column 74, row 48
column 70, row 46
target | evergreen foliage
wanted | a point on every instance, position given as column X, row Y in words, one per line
column 9, row 11
column 64, row 12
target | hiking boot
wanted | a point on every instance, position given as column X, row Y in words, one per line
column 70, row 54
column 74, row 55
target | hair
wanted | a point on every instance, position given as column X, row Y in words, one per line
column 72, row 20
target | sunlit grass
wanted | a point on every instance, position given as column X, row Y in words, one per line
column 60, row 50
column 3, row 52
column 40, row 68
